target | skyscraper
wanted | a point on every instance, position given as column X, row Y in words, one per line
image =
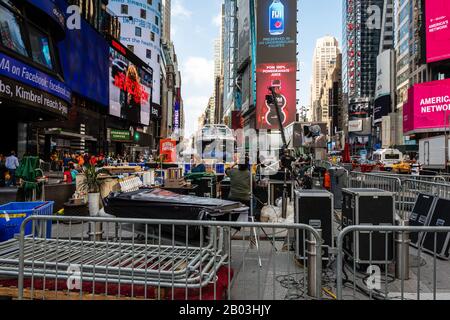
column 166, row 17
column 325, row 55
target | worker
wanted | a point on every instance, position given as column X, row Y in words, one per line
column 327, row 181
column 240, row 182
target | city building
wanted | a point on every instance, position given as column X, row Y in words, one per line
column 37, row 94
column 367, row 32
column 230, row 51
column 218, row 80
column 325, row 55
column 330, row 108
column 166, row 20
column 172, row 102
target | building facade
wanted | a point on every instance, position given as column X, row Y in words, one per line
column 325, row 55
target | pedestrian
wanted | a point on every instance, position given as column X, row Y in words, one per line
column 240, row 182
column 11, row 164
column 67, row 175
column 66, row 159
column 73, row 171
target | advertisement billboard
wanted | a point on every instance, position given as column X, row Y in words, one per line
column 359, row 108
column 355, row 125
column 130, row 86
column 283, row 77
column 382, row 104
column 437, row 30
column 276, row 61
column 168, row 150
column 85, row 68
column 276, row 31
column 428, row 107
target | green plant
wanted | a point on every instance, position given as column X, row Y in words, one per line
column 92, row 181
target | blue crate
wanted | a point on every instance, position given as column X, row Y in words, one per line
column 17, row 212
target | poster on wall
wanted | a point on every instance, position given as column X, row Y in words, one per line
column 130, row 87
column 276, row 62
column 437, row 30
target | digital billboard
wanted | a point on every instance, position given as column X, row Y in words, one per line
column 383, row 101
column 282, row 76
column 130, row 86
column 276, row 31
column 437, row 29
column 84, row 65
column 428, row 107
column 276, row 61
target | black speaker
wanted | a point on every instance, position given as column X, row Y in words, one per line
column 275, row 190
column 439, row 242
column 373, row 207
column 420, row 216
column 314, row 208
column 206, row 187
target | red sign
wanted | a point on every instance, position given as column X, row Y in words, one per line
column 438, row 30
column 168, row 150
column 428, row 106
column 282, row 76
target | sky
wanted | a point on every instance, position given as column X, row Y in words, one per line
column 195, row 25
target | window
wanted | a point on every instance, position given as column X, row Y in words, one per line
column 148, row 54
column 158, row 58
column 138, row 32
column 130, row 47
column 152, row 36
column 159, row 6
column 10, row 32
column 150, row 2
column 124, row 9
column 157, row 20
column 143, row 14
column 40, row 48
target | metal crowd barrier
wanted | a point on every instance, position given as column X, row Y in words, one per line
column 418, row 273
column 159, row 259
column 411, row 189
column 370, row 180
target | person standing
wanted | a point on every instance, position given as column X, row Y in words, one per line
column 240, row 183
column 12, row 163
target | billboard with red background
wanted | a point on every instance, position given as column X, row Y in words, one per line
column 283, row 77
column 438, row 29
column 428, row 107
column 276, row 59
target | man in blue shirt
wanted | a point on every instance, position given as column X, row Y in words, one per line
column 11, row 164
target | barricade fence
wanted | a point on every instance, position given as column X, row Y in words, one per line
column 392, row 263
column 108, row 258
column 405, row 190
column 96, row 258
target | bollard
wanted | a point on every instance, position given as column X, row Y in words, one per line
column 402, row 242
column 314, row 269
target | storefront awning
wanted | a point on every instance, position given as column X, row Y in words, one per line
column 57, row 132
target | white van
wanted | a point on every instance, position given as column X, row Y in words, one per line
column 388, row 157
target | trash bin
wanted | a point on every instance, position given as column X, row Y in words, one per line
column 13, row 214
